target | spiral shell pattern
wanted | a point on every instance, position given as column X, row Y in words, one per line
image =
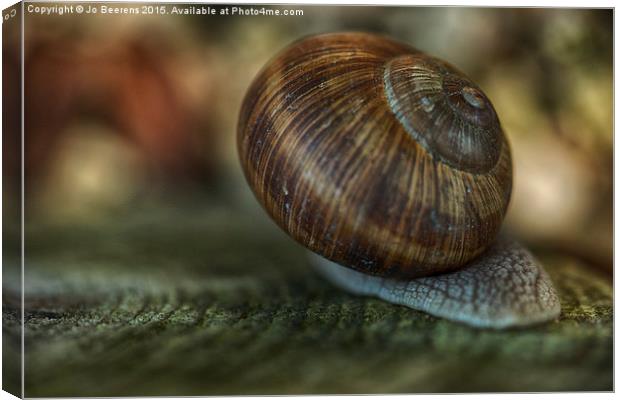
column 375, row 155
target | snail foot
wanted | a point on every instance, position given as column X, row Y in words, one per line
column 504, row 287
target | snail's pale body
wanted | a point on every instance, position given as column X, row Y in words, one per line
column 504, row 287
column 386, row 161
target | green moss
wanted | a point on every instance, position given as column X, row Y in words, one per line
column 219, row 301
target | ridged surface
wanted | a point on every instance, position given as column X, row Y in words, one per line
column 333, row 165
column 214, row 300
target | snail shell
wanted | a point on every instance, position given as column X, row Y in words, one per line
column 376, row 156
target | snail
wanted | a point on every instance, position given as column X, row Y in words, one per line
column 392, row 168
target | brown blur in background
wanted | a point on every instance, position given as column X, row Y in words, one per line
column 126, row 110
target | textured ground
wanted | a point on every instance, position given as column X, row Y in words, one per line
column 218, row 301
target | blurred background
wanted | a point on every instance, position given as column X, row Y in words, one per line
column 124, row 110
column 151, row 264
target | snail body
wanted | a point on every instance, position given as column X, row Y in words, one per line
column 389, row 164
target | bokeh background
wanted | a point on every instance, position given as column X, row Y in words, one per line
column 122, row 109
column 133, row 116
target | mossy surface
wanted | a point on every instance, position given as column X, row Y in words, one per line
column 215, row 300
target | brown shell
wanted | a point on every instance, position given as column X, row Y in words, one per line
column 375, row 155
